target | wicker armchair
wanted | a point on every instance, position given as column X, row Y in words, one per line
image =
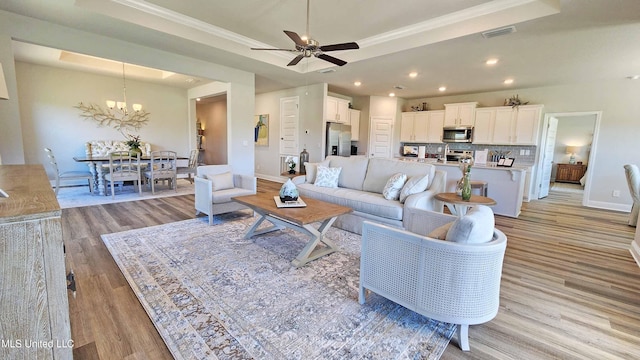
column 442, row 280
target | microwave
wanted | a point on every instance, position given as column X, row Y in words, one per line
column 462, row 134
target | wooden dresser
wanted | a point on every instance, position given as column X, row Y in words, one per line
column 34, row 309
column 571, row 173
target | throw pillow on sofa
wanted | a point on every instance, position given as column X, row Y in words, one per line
column 312, row 168
column 393, row 187
column 327, row 176
column 414, row 185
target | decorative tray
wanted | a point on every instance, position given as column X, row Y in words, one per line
column 289, row 204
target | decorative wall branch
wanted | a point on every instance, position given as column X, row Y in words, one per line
column 120, row 120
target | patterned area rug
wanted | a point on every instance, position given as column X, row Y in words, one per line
column 77, row 196
column 214, row 295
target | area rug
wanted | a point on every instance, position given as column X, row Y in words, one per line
column 214, row 295
column 567, row 187
column 77, row 196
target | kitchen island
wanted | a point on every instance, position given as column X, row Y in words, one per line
column 506, row 184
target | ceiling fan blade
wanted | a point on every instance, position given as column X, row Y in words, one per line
column 331, row 59
column 291, row 50
column 344, row 46
column 296, row 38
column 295, row 60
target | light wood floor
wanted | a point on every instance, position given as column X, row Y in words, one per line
column 570, row 288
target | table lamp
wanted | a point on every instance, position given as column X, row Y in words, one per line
column 572, row 150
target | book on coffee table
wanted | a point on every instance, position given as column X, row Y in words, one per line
column 286, row 204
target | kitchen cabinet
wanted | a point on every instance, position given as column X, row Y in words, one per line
column 461, row 114
column 571, row 173
column 422, row 126
column 354, row 120
column 504, row 125
column 413, row 127
column 337, row 110
column 34, row 311
column 435, row 123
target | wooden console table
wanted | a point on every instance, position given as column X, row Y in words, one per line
column 571, row 173
column 34, row 309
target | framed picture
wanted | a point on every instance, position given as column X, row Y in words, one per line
column 261, row 130
column 508, row 162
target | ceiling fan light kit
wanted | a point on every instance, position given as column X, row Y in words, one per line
column 308, row 47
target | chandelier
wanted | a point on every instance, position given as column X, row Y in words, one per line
column 116, row 114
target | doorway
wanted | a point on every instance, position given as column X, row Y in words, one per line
column 555, row 147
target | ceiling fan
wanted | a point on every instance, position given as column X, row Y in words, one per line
column 308, row 47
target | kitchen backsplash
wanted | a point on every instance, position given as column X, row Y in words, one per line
column 432, row 150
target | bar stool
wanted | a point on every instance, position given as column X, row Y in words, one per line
column 483, row 186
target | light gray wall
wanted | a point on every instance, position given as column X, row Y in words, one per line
column 619, row 130
column 48, row 117
column 240, row 84
column 311, row 101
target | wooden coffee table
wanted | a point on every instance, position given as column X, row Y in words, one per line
column 300, row 219
column 459, row 207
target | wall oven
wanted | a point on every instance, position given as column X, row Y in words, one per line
column 462, row 134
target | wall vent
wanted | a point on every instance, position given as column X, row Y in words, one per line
column 325, row 71
column 499, row 32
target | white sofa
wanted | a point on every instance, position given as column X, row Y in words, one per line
column 215, row 185
column 360, row 187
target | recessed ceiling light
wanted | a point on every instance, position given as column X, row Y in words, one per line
column 413, row 74
column 442, row 88
column 508, row 82
column 492, row 61
column 357, row 83
column 197, row 99
column 392, row 94
column 633, row 77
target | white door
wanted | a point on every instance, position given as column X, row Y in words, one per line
column 289, row 116
column 381, row 137
column 547, row 160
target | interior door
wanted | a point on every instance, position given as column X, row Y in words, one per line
column 289, row 116
column 381, row 137
column 547, row 160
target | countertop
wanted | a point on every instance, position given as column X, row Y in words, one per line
column 489, row 165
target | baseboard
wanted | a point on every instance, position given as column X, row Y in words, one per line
column 635, row 251
column 609, row 206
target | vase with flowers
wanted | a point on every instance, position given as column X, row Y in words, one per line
column 134, row 145
column 291, row 164
column 463, row 188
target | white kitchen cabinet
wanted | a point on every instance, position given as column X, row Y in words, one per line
column 504, row 125
column 422, row 126
column 413, row 127
column 527, row 125
column 435, row 123
column 461, row 114
column 337, row 110
column 354, row 120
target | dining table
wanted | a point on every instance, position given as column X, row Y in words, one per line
column 97, row 169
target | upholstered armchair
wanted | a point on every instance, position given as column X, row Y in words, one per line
column 454, row 280
column 215, row 185
column 633, row 180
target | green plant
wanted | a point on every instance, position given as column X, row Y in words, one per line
column 134, row 142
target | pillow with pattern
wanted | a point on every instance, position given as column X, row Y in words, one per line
column 327, row 176
column 392, row 189
column 414, row 185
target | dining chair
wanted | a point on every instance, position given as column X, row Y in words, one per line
column 190, row 169
column 162, row 167
column 67, row 175
column 123, row 167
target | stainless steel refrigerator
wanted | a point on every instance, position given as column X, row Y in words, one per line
column 338, row 139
